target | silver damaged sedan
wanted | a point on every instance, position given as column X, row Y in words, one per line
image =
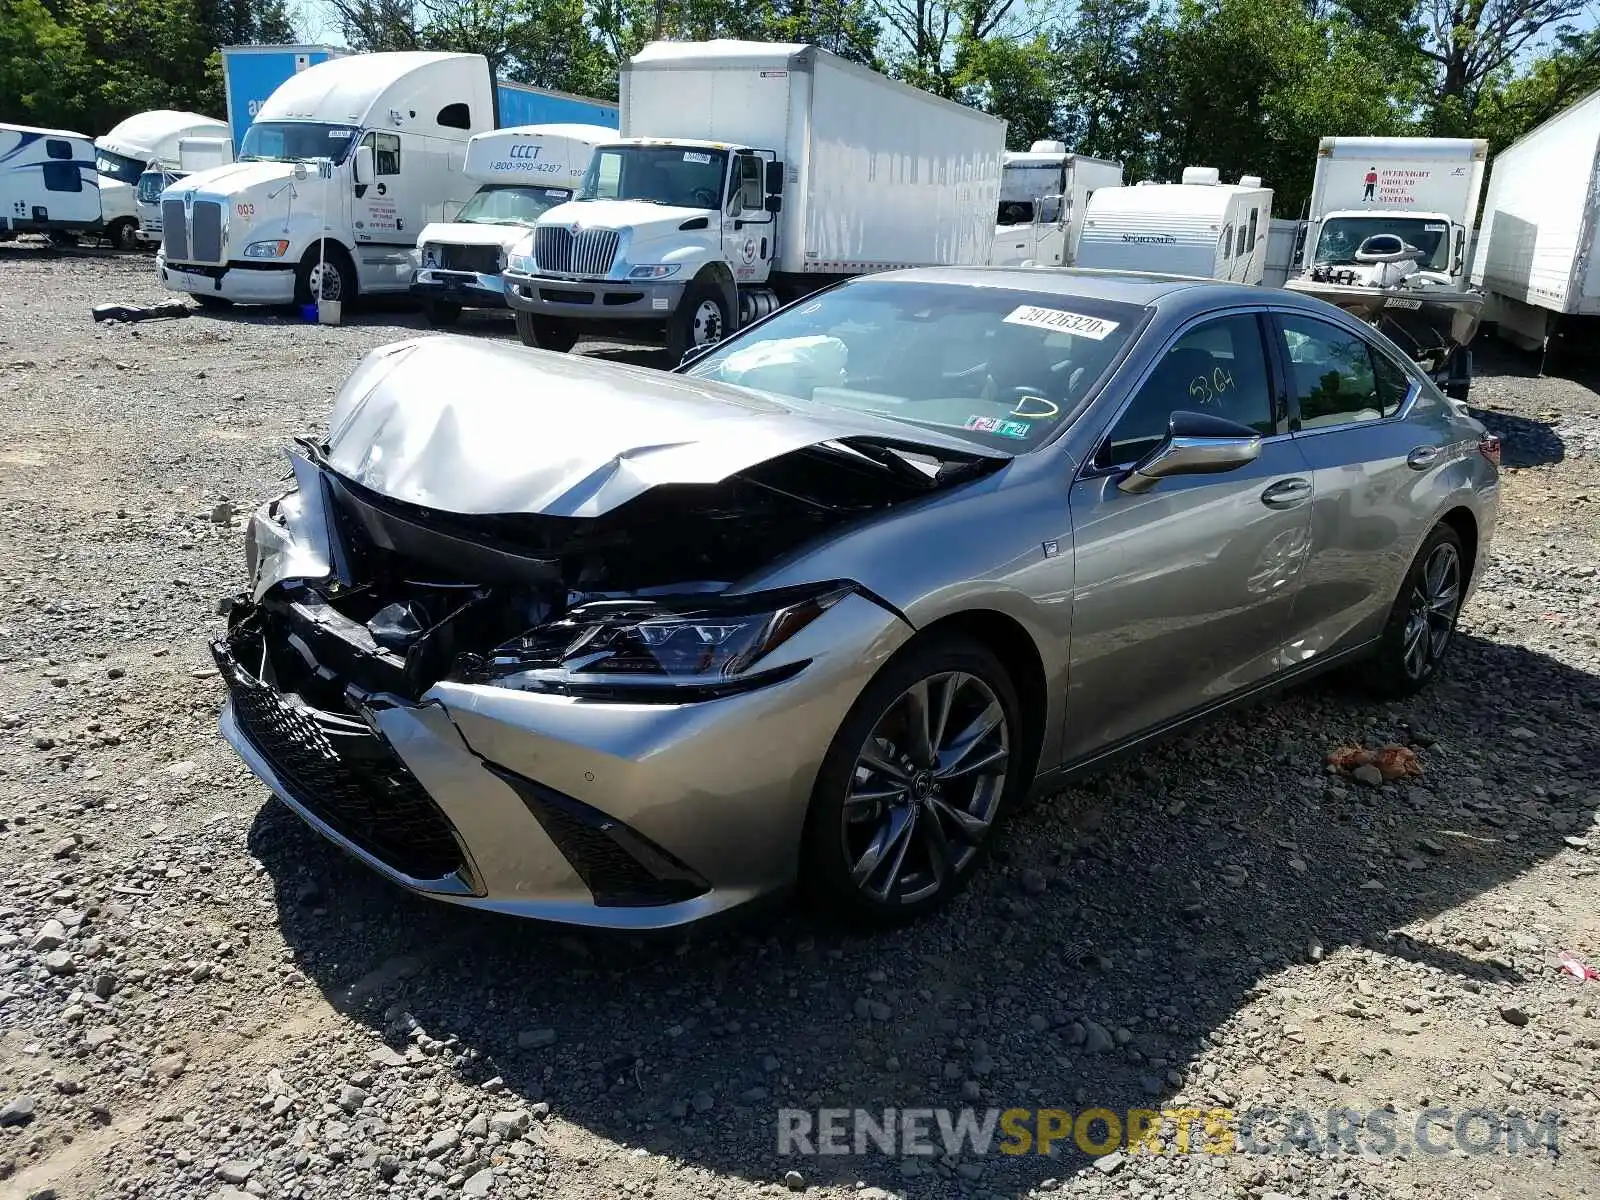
column 623, row 648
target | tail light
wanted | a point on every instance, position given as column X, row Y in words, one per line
column 1489, row 447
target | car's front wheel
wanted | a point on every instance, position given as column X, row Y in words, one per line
column 913, row 783
column 1423, row 620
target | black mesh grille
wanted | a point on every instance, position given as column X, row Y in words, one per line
column 344, row 773
column 482, row 260
column 174, row 231
column 206, row 236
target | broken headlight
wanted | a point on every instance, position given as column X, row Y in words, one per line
column 708, row 644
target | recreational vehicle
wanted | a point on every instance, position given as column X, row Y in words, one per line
column 144, row 141
column 47, row 183
column 342, row 167
column 521, row 173
column 1200, row 227
column 1042, row 195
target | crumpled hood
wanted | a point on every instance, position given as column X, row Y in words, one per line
column 618, row 214
column 467, row 233
column 473, row 427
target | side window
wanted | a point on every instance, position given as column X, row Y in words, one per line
column 1243, row 246
column 1217, row 368
column 62, row 177
column 1226, row 241
column 1394, row 385
column 56, row 148
column 1333, row 374
column 752, row 184
column 385, row 152
column 455, row 116
column 1255, row 213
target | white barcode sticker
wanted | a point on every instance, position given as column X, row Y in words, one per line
column 695, row 156
column 1059, row 320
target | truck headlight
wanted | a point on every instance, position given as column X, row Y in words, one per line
column 266, row 249
column 428, row 256
column 661, row 271
column 522, row 264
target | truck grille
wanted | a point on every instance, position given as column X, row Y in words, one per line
column 205, row 238
column 587, row 252
column 481, row 260
column 174, row 231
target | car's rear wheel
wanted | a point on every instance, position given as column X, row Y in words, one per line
column 913, row 783
column 1422, row 622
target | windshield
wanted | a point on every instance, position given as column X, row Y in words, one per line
column 296, row 141
column 675, row 175
column 1341, row 237
column 995, row 366
column 511, row 204
column 119, row 166
column 152, row 184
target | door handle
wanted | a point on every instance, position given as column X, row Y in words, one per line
column 1286, row 493
column 1422, row 458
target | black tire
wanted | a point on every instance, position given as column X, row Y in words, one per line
column 123, row 234
column 830, row 844
column 1403, row 666
column 61, row 239
column 693, row 325
column 213, row 303
column 545, row 333
column 441, row 313
column 335, row 260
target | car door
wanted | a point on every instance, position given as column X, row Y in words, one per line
column 1372, row 465
column 1184, row 593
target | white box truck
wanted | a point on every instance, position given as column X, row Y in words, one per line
column 194, row 154
column 1386, row 241
column 344, row 163
column 145, row 141
column 1043, row 191
column 521, row 173
column 1201, row 227
column 1538, row 253
column 748, row 174
column 48, row 183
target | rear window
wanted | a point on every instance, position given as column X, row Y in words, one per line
column 999, row 367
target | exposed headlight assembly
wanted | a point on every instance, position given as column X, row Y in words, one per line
column 666, row 648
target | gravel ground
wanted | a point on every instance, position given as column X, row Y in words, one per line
column 200, row 998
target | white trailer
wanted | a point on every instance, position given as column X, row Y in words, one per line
column 47, row 183
column 144, row 141
column 1042, row 196
column 194, row 154
column 521, row 173
column 748, row 173
column 1200, row 227
column 1538, row 252
column 344, row 164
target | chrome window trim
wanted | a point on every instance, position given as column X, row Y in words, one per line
column 1088, row 470
column 1409, row 370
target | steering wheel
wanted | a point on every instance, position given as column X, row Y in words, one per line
column 704, row 197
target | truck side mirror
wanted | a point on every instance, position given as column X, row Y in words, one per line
column 774, row 181
column 1458, row 234
column 364, row 172
column 774, row 203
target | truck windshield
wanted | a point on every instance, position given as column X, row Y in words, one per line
column 680, row 176
column 120, row 167
column 152, row 184
column 1341, row 237
column 995, row 366
column 510, row 204
column 296, row 141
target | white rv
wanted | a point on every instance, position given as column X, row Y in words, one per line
column 1538, row 252
column 1042, row 197
column 521, row 172
column 144, row 141
column 344, row 164
column 194, row 154
column 1200, row 227
column 47, row 183
column 749, row 173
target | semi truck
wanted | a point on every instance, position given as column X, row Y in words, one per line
column 145, row 141
column 748, row 174
column 1538, row 252
column 521, row 173
column 1043, row 191
column 1386, row 240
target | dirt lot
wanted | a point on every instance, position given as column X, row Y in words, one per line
column 198, row 998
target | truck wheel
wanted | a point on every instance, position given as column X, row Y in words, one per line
column 701, row 320
column 545, row 333
column 441, row 312
column 123, row 234
column 334, row 276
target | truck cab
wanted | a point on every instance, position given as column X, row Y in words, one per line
column 194, row 154
column 522, row 172
column 651, row 215
column 1335, row 239
column 1043, row 194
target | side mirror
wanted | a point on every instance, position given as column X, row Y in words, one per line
column 1196, row 444
column 774, row 203
column 364, row 172
column 774, row 179
column 1459, row 235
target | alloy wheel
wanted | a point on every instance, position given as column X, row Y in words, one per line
column 326, row 281
column 707, row 326
column 926, row 788
column 1431, row 612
